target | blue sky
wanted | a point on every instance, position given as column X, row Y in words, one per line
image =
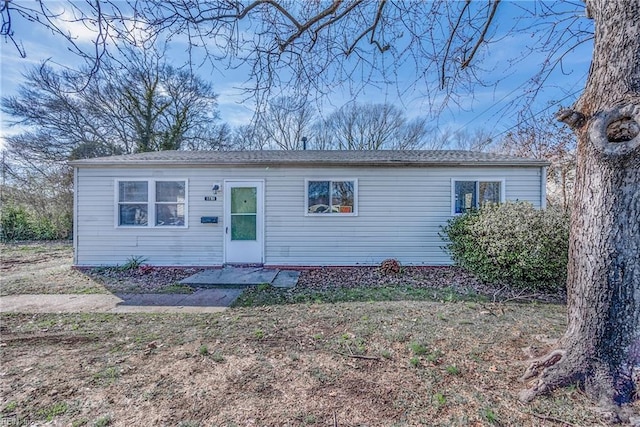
column 487, row 109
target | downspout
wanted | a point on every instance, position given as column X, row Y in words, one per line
column 75, row 216
column 543, row 187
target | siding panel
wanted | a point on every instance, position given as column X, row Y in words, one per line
column 400, row 212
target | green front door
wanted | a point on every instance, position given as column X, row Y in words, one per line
column 244, row 221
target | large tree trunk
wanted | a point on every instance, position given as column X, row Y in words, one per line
column 601, row 347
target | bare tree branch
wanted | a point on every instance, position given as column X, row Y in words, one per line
column 371, row 30
column 445, row 58
column 480, row 40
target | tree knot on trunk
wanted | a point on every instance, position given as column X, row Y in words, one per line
column 538, row 365
column 537, row 369
column 572, row 118
column 616, row 131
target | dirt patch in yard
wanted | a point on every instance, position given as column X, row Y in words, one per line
column 42, row 268
column 46, row 268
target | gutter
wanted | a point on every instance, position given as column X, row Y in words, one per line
column 293, row 163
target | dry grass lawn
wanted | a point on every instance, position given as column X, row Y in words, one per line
column 400, row 363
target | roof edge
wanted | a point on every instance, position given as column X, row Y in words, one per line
column 307, row 163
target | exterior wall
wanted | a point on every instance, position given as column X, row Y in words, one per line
column 400, row 212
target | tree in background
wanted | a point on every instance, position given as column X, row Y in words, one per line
column 546, row 139
column 135, row 104
column 357, row 126
column 463, row 139
column 138, row 103
column 287, row 120
column 284, row 123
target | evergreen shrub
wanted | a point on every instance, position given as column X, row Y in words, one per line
column 511, row 243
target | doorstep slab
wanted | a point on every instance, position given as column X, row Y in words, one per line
column 286, row 279
column 232, row 276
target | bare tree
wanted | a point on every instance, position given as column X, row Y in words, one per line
column 139, row 104
column 372, row 127
column 463, row 139
column 285, row 122
column 247, row 137
column 313, row 45
column 545, row 138
column 156, row 106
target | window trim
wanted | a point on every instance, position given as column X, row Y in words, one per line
column 151, row 203
column 331, row 214
column 503, row 189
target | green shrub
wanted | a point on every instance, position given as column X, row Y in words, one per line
column 512, row 243
column 17, row 223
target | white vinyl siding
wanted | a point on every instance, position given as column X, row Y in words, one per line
column 400, row 212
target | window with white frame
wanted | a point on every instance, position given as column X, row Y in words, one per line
column 151, row 203
column 331, row 197
column 468, row 195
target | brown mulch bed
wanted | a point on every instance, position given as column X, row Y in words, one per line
column 148, row 279
column 450, row 277
column 45, row 268
column 143, row 279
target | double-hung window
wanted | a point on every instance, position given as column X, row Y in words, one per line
column 151, row 203
column 468, row 195
column 331, row 197
column 170, row 203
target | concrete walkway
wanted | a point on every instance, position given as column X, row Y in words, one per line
column 228, row 283
column 201, row 301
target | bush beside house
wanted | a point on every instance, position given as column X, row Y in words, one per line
column 511, row 243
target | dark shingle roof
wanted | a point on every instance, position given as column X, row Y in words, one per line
column 312, row 158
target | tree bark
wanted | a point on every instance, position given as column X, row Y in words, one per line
column 601, row 347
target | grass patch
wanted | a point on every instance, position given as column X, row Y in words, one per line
column 452, row 370
column 417, row 348
column 269, row 295
column 53, row 411
column 203, row 350
column 10, row 407
column 107, row 376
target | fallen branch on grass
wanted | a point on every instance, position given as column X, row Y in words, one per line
column 358, row 356
column 552, row 419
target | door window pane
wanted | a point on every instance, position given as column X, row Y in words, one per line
column 243, row 227
column 244, row 200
